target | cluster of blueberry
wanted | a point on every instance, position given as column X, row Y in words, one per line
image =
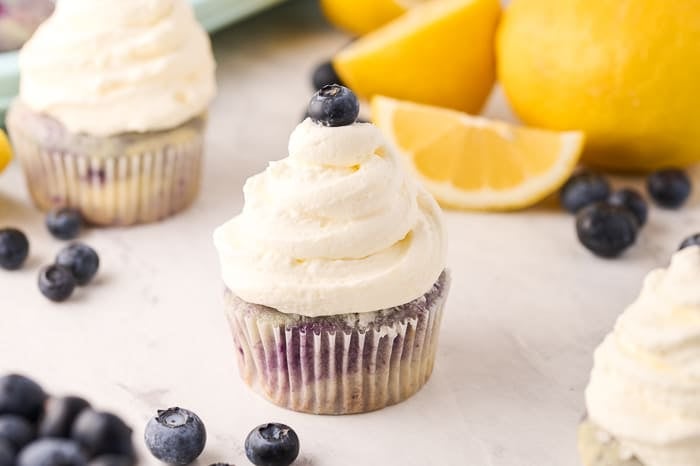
column 75, row 265
column 39, row 430
column 178, row 436
column 607, row 223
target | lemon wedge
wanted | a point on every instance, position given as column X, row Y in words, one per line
column 438, row 53
column 5, row 151
column 473, row 162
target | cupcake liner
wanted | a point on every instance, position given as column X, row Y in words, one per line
column 344, row 364
column 599, row 448
column 115, row 180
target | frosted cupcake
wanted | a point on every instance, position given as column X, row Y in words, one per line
column 643, row 398
column 335, row 270
column 112, row 109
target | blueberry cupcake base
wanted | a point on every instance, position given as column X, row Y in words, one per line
column 124, row 179
column 341, row 364
column 599, row 448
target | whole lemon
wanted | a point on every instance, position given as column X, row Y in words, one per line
column 626, row 72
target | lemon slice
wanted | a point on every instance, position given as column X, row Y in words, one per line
column 5, row 151
column 475, row 163
column 362, row 16
column 438, row 53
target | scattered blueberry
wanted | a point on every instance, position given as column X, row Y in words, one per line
column 334, row 105
column 112, row 460
column 21, row 396
column 7, row 454
column 81, row 260
column 59, row 416
column 583, row 189
column 634, row 201
column 16, row 430
column 324, row 75
column 14, row 248
column 693, row 240
column 52, row 452
column 272, row 444
column 175, row 436
column 56, row 282
column 100, row 433
column 64, row 223
column 606, row 230
column 669, row 188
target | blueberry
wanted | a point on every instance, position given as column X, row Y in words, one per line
column 334, row 105
column 272, row 444
column 633, row 201
column 59, row 416
column 64, row 223
column 324, row 75
column 669, row 188
column 113, row 460
column 16, row 430
column 14, row 248
column 56, row 282
column 175, row 436
column 101, row 433
column 81, row 260
column 21, row 396
column 221, row 464
column 693, row 240
column 606, row 230
column 7, row 453
column 52, row 452
column 583, row 189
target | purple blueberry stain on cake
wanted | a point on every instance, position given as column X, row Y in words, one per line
column 96, row 175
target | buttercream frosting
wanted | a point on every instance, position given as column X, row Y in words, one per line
column 105, row 67
column 336, row 227
column 645, row 383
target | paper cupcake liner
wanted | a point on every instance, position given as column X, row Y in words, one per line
column 116, row 180
column 345, row 364
column 599, row 448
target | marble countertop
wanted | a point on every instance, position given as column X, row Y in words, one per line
column 528, row 303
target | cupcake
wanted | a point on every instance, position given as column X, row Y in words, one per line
column 643, row 399
column 335, row 270
column 112, row 109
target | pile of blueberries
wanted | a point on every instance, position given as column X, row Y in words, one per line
column 75, row 265
column 607, row 223
column 39, row 430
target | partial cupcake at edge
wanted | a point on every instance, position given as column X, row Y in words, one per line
column 643, row 398
column 112, row 109
column 335, row 270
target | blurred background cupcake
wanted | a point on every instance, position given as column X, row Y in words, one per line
column 112, row 109
column 643, row 398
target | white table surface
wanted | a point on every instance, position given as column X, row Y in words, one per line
column 528, row 303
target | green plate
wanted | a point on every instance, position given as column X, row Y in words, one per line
column 213, row 14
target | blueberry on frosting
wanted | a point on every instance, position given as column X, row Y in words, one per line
column 334, row 105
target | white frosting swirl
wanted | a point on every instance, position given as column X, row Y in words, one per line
column 337, row 227
column 105, row 67
column 645, row 384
